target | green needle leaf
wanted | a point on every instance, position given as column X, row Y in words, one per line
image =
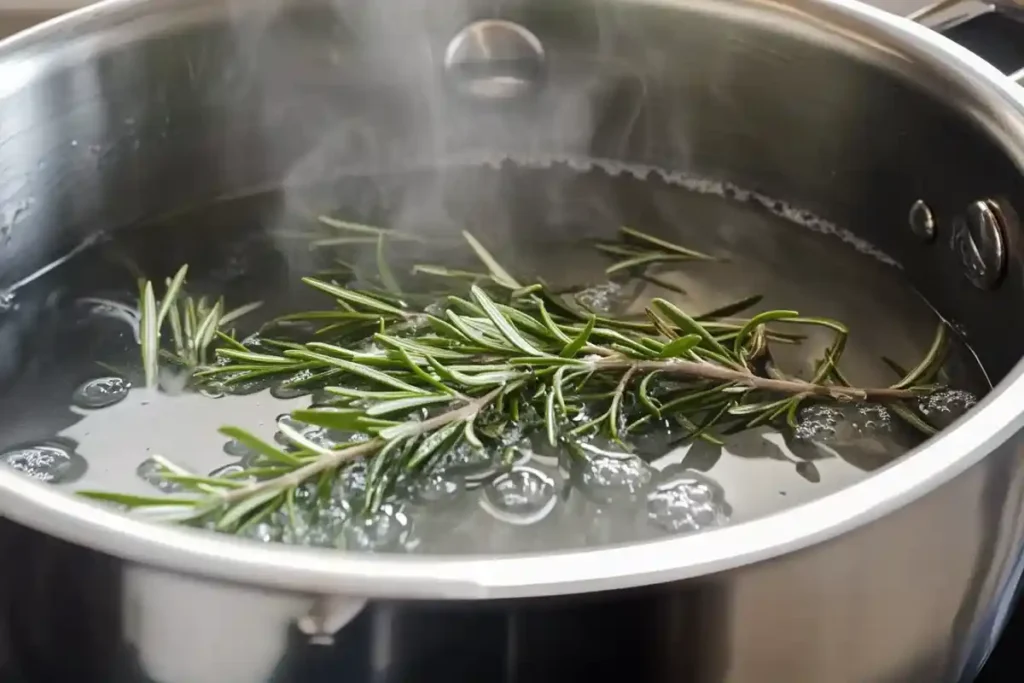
column 577, row 344
column 689, row 325
column 361, row 370
column 404, row 405
column 354, row 298
column 387, row 277
column 259, row 446
column 681, row 346
column 498, row 274
column 504, row 326
column 236, row 513
column 663, row 244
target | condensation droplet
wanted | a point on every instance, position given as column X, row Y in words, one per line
column 102, row 392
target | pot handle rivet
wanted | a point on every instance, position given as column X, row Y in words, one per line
column 922, row 221
column 979, row 239
column 494, row 59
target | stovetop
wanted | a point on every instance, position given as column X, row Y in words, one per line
column 997, row 38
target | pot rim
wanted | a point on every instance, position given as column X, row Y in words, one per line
column 996, row 418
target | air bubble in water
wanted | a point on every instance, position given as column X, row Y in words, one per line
column 150, row 472
column 285, row 392
column 53, row 461
column 312, row 523
column 687, row 501
column 945, row 406
column 291, row 422
column 609, row 298
column 237, row 449
column 437, row 489
column 351, row 482
column 842, row 422
column 102, row 392
column 390, row 528
column 521, row 497
column 320, row 436
column 232, row 470
column 609, row 476
column 264, row 532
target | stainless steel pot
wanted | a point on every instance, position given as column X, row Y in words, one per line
column 130, row 109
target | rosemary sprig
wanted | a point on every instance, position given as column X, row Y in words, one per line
column 482, row 369
column 194, row 323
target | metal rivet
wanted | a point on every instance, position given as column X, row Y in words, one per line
column 979, row 240
column 922, row 221
column 494, row 59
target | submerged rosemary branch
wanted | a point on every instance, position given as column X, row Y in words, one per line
column 490, row 365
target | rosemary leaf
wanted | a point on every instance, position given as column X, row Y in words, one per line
column 663, row 244
column 387, row 277
column 131, row 501
column 503, row 324
column 498, row 274
column 257, row 445
column 577, row 344
column 691, row 326
column 681, row 346
column 237, row 512
column 355, row 298
column 360, row 370
column 924, row 370
column 404, row 405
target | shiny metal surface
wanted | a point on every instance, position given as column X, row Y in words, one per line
column 131, row 109
column 494, row 59
column 922, row 221
column 979, row 238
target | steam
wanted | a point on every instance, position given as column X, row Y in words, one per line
column 370, row 99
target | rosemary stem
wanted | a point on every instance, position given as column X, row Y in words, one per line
column 331, row 459
column 726, row 374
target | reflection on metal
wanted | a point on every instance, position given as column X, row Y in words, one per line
column 979, row 239
column 922, row 221
column 494, row 60
column 328, row 615
column 945, row 14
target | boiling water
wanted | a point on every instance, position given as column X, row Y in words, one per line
column 73, row 418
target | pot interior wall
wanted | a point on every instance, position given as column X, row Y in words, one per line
column 106, row 124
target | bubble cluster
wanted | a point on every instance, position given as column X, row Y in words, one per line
column 53, row 461
column 609, row 477
column 826, row 423
column 521, row 497
column 101, row 392
column 945, row 406
column 686, row 501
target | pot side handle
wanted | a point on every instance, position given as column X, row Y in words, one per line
column 946, row 15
